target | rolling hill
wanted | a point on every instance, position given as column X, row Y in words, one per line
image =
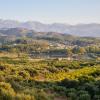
column 92, row 29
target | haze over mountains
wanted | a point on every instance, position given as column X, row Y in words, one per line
column 92, row 29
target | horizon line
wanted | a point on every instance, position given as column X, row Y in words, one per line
column 48, row 23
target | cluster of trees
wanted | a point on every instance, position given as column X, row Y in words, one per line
column 24, row 79
column 26, row 48
column 42, row 48
column 84, row 89
column 83, row 50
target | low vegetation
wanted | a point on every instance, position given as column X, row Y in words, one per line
column 22, row 78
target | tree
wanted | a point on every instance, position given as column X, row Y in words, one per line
column 69, row 52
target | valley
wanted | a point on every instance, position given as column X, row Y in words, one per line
column 48, row 66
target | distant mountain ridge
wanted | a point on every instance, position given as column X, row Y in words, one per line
column 23, row 32
column 92, row 29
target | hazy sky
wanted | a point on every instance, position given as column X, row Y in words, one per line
column 50, row 11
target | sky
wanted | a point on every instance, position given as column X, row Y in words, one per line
column 51, row 11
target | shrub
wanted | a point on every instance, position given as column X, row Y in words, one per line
column 24, row 97
column 69, row 83
column 84, row 97
column 41, row 95
column 72, row 96
column 6, row 87
column 96, row 97
column 6, row 91
column 24, row 74
column 81, row 92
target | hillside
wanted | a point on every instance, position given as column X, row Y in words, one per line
column 92, row 29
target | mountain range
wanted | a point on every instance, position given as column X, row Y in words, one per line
column 85, row 30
